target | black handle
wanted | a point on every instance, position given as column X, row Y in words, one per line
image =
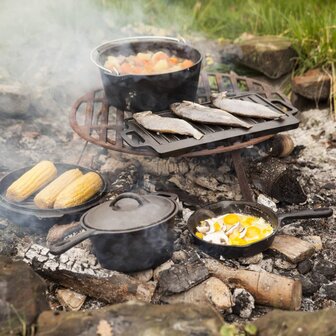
column 201, row 215
column 64, row 245
column 166, row 194
column 141, row 200
column 308, row 213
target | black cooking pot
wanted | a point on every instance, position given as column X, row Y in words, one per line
column 129, row 234
column 148, row 92
column 249, row 208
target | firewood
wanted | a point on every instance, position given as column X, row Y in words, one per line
column 268, row 289
column 210, row 292
column 294, row 249
column 274, row 178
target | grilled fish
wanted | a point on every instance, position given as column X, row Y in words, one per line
column 154, row 122
column 205, row 114
column 243, row 108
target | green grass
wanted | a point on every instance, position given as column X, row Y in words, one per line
column 310, row 24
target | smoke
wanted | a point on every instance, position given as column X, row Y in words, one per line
column 47, row 43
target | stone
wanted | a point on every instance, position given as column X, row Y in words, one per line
column 243, row 303
column 264, row 200
column 271, row 55
column 305, row 266
column 14, row 99
column 314, row 85
column 308, row 286
column 256, row 259
column 330, row 290
column 267, row 265
column 143, row 276
column 179, row 256
column 22, row 296
column 284, row 264
column 326, row 268
column 133, row 318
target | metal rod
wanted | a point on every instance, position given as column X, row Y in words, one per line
column 242, row 179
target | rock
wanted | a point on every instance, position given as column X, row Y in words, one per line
column 309, row 287
column 326, row 268
column 284, row 323
column 179, row 256
column 70, row 299
column 271, row 55
column 315, row 240
column 292, row 230
column 165, row 266
column 305, row 266
column 14, row 99
column 267, row 265
column 211, row 291
column 314, row 85
column 131, row 319
column 243, row 303
column 22, row 296
column 330, row 290
column 264, row 200
column 256, row 259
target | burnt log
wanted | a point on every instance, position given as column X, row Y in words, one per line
column 267, row 289
column 116, row 288
column 274, row 178
column 297, row 323
column 131, row 319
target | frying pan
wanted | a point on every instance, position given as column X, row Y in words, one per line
column 249, row 208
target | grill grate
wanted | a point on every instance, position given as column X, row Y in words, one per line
column 97, row 122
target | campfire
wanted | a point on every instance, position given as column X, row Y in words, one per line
column 139, row 243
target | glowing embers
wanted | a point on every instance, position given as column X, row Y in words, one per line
column 233, row 229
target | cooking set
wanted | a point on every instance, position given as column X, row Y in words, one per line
column 136, row 232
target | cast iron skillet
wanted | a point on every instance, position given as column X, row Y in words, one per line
column 28, row 208
column 249, row 208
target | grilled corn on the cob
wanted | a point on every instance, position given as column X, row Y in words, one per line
column 31, row 181
column 46, row 197
column 79, row 191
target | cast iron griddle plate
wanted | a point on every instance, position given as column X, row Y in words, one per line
column 28, row 207
column 174, row 144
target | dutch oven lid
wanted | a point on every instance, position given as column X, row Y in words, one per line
column 129, row 211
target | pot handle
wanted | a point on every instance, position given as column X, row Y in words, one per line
column 308, row 213
column 64, row 245
column 141, row 200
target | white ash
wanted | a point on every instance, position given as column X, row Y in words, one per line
column 243, row 303
column 266, row 201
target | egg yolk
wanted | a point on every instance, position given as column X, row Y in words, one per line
column 231, row 219
column 252, row 232
column 199, row 235
column 217, row 227
column 248, row 221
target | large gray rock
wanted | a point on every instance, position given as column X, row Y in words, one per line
column 314, row 85
column 22, row 296
column 133, row 318
column 271, row 55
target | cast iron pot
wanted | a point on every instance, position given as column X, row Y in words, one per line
column 131, row 233
column 148, row 92
column 249, row 208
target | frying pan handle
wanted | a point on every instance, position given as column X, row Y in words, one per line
column 308, row 213
column 141, row 200
column 64, row 245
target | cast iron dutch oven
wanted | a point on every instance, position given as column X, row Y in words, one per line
column 153, row 92
column 129, row 234
column 249, row 208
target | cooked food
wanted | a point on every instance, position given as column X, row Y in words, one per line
column 79, row 191
column 243, row 108
column 233, row 229
column 147, row 63
column 207, row 115
column 156, row 123
column 45, row 199
column 31, row 181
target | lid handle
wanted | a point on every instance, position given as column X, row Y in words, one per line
column 141, row 200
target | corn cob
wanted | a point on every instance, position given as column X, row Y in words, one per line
column 46, row 197
column 31, row 181
column 79, row 191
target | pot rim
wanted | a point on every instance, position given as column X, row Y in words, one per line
column 103, row 231
column 97, row 51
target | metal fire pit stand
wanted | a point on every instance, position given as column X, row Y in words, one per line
column 95, row 121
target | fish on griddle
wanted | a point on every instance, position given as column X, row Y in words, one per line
column 243, row 108
column 207, row 115
column 154, row 122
